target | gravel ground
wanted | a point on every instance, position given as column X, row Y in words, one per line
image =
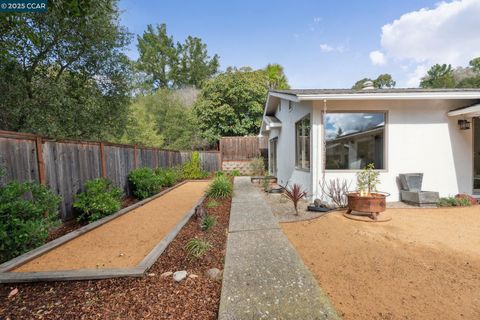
column 149, row 297
column 423, row 264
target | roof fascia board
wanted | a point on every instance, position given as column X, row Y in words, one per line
column 285, row 96
column 392, row 96
column 464, row 111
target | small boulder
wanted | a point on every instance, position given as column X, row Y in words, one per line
column 166, row 274
column 320, row 203
column 214, row 274
column 179, row 275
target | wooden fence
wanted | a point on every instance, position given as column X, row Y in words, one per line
column 65, row 165
column 242, row 148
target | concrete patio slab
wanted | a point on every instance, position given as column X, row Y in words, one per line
column 264, row 278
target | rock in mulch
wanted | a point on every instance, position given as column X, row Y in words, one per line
column 12, row 293
column 179, row 275
column 214, row 274
column 192, row 276
column 166, row 274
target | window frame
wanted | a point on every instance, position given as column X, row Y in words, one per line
column 297, row 166
column 385, row 139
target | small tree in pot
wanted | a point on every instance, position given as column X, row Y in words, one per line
column 367, row 198
column 367, row 180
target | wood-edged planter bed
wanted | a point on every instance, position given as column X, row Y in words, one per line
column 150, row 296
column 126, row 243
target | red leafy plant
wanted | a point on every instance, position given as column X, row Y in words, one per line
column 295, row 194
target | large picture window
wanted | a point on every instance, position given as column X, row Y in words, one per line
column 302, row 143
column 354, row 140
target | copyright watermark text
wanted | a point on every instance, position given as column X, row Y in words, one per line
column 23, row 5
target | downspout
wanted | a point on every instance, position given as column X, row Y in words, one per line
column 324, row 150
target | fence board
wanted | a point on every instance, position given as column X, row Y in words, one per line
column 242, row 148
column 70, row 163
column 19, row 159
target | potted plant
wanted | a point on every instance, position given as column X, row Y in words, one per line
column 367, row 198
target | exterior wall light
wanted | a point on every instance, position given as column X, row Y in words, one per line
column 464, row 124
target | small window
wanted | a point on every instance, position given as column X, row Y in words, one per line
column 279, row 107
column 290, row 105
column 354, row 140
column 302, row 143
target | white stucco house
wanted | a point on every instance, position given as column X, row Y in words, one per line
column 432, row 131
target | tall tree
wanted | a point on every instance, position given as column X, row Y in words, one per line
column 63, row 73
column 276, row 78
column 439, row 76
column 157, row 55
column 195, row 65
column 169, row 65
column 231, row 104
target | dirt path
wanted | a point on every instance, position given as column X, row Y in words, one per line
column 124, row 241
column 421, row 265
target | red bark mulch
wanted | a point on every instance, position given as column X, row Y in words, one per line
column 149, row 297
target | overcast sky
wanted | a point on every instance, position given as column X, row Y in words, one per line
column 321, row 44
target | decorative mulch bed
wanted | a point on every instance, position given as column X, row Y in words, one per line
column 149, row 297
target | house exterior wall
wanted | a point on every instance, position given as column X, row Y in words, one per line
column 419, row 136
column 286, row 172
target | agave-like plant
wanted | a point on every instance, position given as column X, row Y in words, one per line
column 295, row 193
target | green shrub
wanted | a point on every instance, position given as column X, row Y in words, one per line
column 192, row 169
column 257, row 165
column 144, row 182
column 27, row 212
column 98, row 200
column 235, row 173
column 208, row 222
column 266, row 183
column 212, row 204
column 219, row 173
column 168, row 177
column 197, row 247
column 220, row 187
column 453, row 202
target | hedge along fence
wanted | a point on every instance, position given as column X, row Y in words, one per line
column 65, row 165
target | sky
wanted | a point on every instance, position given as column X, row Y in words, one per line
column 321, row 44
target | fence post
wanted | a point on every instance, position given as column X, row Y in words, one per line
column 135, row 156
column 40, row 162
column 102, row 160
column 220, row 149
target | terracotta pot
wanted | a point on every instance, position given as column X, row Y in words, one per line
column 373, row 204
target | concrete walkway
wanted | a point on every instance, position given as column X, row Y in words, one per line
column 264, row 278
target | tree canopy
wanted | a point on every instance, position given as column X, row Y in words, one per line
column 231, row 104
column 169, row 65
column 439, row 76
column 63, row 73
column 382, row 81
column 276, row 78
column 162, row 119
